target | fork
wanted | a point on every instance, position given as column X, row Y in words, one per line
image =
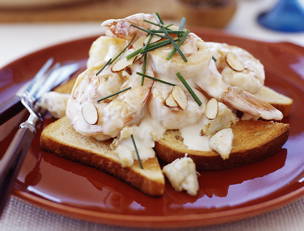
column 47, row 78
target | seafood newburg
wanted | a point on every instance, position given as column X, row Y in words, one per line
column 145, row 78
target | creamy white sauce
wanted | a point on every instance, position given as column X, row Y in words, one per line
column 193, row 138
column 143, row 109
column 145, row 135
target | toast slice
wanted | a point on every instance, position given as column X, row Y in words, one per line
column 253, row 140
column 60, row 138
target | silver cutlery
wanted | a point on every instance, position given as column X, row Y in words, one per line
column 48, row 77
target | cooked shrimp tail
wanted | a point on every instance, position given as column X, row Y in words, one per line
column 246, row 102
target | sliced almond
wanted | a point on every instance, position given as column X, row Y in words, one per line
column 122, row 64
column 137, row 58
column 170, row 102
column 180, row 97
column 211, row 109
column 221, row 142
column 89, row 113
column 125, row 74
column 233, row 61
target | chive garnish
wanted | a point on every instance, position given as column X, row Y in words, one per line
column 150, row 47
column 134, row 53
column 166, row 32
column 156, row 45
column 104, row 66
column 137, row 153
column 214, row 59
column 120, row 53
column 170, row 31
column 159, row 18
column 182, row 23
column 110, row 61
column 140, row 28
column 182, row 39
column 158, row 24
column 153, row 23
column 176, row 47
column 155, row 79
column 180, row 42
column 169, row 26
column 173, row 43
column 109, row 96
column 148, row 42
column 192, row 93
column 147, row 31
column 144, row 69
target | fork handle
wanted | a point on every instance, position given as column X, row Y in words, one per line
column 12, row 160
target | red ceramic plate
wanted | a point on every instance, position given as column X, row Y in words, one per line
column 78, row 191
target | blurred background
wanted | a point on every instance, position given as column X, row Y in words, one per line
column 26, row 25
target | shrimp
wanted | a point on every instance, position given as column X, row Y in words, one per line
column 202, row 72
column 238, row 67
column 122, row 28
column 114, row 113
column 213, row 84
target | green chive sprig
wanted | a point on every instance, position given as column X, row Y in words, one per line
column 159, row 18
column 137, row 153
column 163, row 29
column 155, row 79
column 125, row 48
column 110, row 61
column 175, row 46
column 150, row 47
column 166, row 32
column 117, row 93
column 144, row 68
column 188, row 87
column 147, row 31
column 153, row 23
column 179, row 43
column 104, row 66
column 182, row 24
column 170, row 32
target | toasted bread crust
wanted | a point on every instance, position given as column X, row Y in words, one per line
column 132, row 175
column 249, row 145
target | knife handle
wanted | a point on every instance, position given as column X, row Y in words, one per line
column 10, row 108
column 12, row 160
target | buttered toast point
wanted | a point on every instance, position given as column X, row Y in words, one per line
column 279, row 101
column 60, row 138
column 253, row 140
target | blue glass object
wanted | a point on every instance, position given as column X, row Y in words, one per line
column 286, row 16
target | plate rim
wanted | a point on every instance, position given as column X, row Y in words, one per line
column 185, row 220
column 168, row 221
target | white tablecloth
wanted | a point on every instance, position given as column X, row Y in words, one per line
column 19, row 39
